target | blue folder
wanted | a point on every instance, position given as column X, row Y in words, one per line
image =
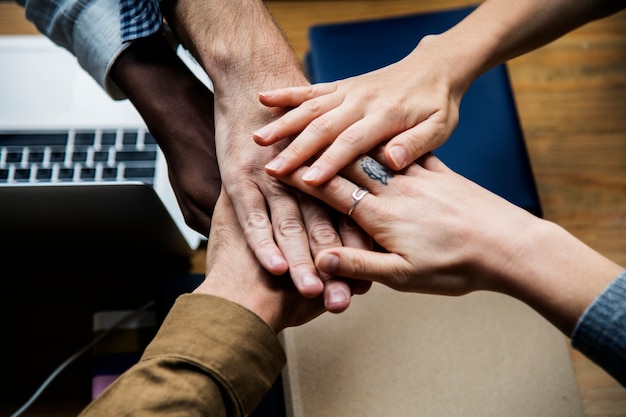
column 487, row 146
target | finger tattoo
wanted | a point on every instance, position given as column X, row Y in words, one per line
column 375, row 170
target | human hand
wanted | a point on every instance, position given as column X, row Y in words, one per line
column 414, row 102
column 443, row 233
column 178, row 110
column 447, row 235
column 283, row 229
column 234, row 273
column 413, row 106
column 243, row 51
column 186, row 134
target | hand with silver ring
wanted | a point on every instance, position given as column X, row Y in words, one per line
column 357, row 195
column 440, row 233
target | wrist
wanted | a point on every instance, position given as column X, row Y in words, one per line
column 456, row 59
column 237, row 42
column 252, row 299
column 557, row 274
column 169, row 97
column 141, row 69
column 265, row 66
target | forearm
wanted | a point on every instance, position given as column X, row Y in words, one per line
column 520, row 27
column 499, row 30
column 165, row 92
column 237, row 42
column 553, row 272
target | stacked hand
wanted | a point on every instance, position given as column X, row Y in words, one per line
column 338, row 121
column 234, row 273
column 444, row 234
column 283, row 227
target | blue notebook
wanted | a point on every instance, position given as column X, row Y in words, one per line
column 488, row 144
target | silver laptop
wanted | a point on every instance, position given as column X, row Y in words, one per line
column 76, row 167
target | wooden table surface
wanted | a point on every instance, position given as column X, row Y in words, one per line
column 571, row 97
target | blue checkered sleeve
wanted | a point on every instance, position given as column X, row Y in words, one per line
column 139, row 18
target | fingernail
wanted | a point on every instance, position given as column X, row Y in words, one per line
column 398, row 156
column 277, row 261
column 310, row 280
column 264, row 132
column 311, row 174
column 337, row 297
column 329, row 263
column 275, row 164
column 266, row 93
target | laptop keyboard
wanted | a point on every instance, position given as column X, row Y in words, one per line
column 78, row 156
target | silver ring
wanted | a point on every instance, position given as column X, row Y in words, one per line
column 357, row 195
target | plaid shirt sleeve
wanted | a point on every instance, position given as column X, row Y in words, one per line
column 139, row 18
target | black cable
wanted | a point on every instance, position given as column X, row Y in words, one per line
column 76, row 355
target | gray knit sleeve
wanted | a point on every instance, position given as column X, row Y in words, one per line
column 600, row 334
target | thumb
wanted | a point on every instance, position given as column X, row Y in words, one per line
column 406, row 147
column 361, row 264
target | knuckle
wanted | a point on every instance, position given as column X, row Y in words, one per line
column 257, row 220
column 441, row 127
column 323, row 235
column 313, row 106
column 332, row 86
column 332, row 188
column 242, row 182
column 302, row 261
column 296, row 152
column 394, row 115
column 352, row 138
column 308, row 90
column 321, row 127
column 264, row 245
column 358, row 265
column 290, row 227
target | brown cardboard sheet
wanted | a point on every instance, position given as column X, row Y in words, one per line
column 413, row 355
